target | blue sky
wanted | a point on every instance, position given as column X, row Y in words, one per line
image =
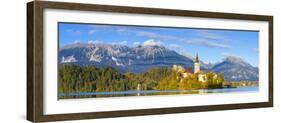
column 211, row 45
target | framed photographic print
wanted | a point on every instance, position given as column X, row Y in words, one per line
column 96, row 61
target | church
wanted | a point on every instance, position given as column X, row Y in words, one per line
column 202, row 76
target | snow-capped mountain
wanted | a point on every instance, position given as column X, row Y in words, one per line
column 124, row 58
column 236, row 69
column 142, row 58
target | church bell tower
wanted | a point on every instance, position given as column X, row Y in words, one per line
column 196, row 64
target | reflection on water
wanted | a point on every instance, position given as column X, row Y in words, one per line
column 153, row 92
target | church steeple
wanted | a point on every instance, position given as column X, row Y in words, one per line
column 197, row 58
column 196, row 64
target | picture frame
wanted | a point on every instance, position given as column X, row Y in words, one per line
column 36, row 48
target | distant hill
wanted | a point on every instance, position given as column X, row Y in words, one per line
column 236, row 69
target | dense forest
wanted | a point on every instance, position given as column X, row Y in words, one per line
column 74, row 79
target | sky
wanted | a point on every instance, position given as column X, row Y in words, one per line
column 211, row 45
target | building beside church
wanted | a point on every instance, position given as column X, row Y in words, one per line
column 202, row 76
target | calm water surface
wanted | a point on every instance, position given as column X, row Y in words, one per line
column 154, row 92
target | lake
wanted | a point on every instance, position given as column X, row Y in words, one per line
column 154, row 92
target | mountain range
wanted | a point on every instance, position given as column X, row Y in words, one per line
column 142, row 58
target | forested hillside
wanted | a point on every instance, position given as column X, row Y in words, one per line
column 77, row 79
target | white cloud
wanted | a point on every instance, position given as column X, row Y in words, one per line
column 207, row 43
column 76, row 41
column 121, row 30
column 157, row 36
column 123, row 43
column 117, row 43
column 212, row 36
column 104, row 42
column 226, row 54
column 75, row 32
column 174, row 46
column 209, row 40
column 186, row 53
column 152, row 43
column 204, row 38
column 92, row 32
column 136, row 43
column 100, row 26
column 95, row 42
